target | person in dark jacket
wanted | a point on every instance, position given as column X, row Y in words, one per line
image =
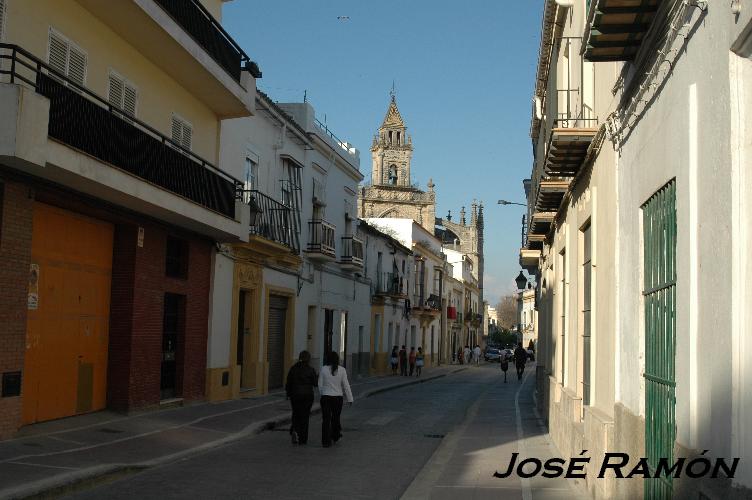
column 520, row 358
column 301, row 379
column 403, row 361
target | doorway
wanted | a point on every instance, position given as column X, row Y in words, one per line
column 245, row 341
column 328, row 334
column 275, row 354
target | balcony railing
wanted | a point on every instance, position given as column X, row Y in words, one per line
column 388, row 284
column 344, row 145
column 571, row 113
column 321, row 238
column 193, row 17
column 82, row 120
column 272, row 220
column 352, row 251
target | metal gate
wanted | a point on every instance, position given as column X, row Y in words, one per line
column 659, row 235
column 276, row 345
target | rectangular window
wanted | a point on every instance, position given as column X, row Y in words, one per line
column 563, row 313
column 182, row 132
column 250, row 175
column 2, row 19
column 587, row 278
column 176, row 258
column 67, row 58
column 122, row 93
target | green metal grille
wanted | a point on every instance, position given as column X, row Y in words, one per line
column 659, row 235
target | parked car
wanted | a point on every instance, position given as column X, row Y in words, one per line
column 492, row 354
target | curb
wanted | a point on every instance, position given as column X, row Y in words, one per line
column 70, row 482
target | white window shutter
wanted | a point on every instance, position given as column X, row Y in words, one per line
column 177, row 130
column 77, row 65
column 130, row 97
column 115, row 95
column 187, row 136
column 58, row 57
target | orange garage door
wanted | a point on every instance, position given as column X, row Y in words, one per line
column 65, row 368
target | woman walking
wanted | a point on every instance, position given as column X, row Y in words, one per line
column 301, row 379
column 333, row 387
column 394, row 360
column 419, row 361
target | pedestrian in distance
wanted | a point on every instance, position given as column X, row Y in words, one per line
column 411, row 360
column 403, row 361
column 476, row 355
column 504, row 364
column 394, row 360
column 520, row 358
column 468, row 355
column 301, row 379
column 334, row 388
column 460, row 360
column 419, row 362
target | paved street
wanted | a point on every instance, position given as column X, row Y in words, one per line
column 392, row 446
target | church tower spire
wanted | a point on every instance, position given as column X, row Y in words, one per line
column 392, row 150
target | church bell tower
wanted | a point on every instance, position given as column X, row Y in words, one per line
column 391, row 151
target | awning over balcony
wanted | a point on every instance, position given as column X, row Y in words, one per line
column 567, row 150
column 540, row 222
column 616, row 28
column 529, row 258
column 550, row 193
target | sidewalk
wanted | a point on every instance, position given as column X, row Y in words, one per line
column 54, row 455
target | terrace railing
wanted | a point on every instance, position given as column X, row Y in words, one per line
column 321, row 237
column 193, row 17
column 85, row 121
column 352, row 250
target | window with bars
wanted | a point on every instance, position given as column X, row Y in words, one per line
column 587, row 278
column 182, row 132
column 122, row 93
column 67, row 58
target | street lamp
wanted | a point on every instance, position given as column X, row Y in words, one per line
column 255, row 211
column 521, row 281
column 505, row 202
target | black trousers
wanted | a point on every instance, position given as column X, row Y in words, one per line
column 403, row 368
column 520, row 369
column 301, row 412
column 331, row 428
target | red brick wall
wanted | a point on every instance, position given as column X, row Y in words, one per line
column 138, row 289
column 16, row 216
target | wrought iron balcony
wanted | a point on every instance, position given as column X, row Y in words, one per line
column 388, row 284
column 271, row 219
column 85, row 121
column 321, row 240
column 352, row 253
column 193, row 17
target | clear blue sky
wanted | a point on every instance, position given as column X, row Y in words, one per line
column 464, row 76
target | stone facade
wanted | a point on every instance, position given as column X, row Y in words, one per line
column 391, row 192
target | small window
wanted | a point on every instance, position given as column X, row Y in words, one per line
column 182, row 132
column 66, row 57
column 176, row 258
column 122, row 93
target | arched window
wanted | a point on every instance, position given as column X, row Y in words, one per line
column 399, row 141
column 393, row 175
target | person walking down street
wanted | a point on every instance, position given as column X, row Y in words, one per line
column 468, row 354
column 301, row 379
column 334, row 388
column 419, row 361
column 460, row 359
column 476, row 355
column 394, row 360
column 504, row 364
column 403, row 361
column 520, row 358
column 412, row 360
